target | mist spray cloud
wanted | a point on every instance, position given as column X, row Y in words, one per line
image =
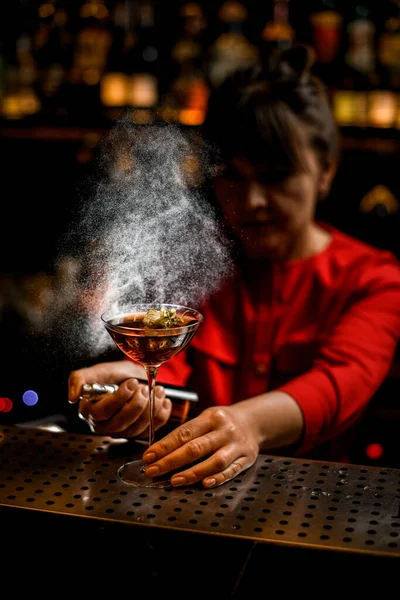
column 148, row 236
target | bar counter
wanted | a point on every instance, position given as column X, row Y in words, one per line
column 280, row 508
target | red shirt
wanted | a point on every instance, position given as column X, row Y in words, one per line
column 323, row 329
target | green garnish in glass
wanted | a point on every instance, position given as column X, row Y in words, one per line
column 162, row 318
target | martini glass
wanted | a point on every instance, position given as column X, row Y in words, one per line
column 150, row 334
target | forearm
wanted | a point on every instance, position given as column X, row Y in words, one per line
column 275, row 418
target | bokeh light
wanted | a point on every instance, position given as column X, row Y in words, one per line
column 30, row 397
column 374, row 451
column 5, row 404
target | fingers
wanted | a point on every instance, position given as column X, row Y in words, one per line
column 107, row 405
column 207, row 472
column 126, row 411
column 214, row 447
column 194, row 449
column 162, row 408
column 211, row 419
column 109, row 372
column 141, row 426
column 109, row 413
column 76, row 380
column 224, row 464
column 192, row 430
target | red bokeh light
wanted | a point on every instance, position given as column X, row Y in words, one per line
column 8, row 405
column 374, row 451
column 5, row 404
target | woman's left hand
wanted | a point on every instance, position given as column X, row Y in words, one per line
column 217, row 445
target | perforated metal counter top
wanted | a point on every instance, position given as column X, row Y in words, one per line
column 279, row 500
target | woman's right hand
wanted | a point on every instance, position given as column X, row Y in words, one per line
column 124, row 412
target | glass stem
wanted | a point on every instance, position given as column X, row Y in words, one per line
column 151, row 377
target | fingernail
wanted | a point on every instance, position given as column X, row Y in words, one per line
column 144, row 390
column 178, row 481
column 149, row 457
column 152, row 471
column 209, row 482
column 160, row 392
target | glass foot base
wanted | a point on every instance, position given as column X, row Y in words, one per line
column 132, row 473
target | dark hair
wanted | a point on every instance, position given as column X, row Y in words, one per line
column 270, row 113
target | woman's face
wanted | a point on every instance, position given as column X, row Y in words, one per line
column 271, row 220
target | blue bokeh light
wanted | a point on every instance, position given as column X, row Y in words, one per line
column 30, row 397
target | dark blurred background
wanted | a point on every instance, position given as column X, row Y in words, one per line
column 69, row 69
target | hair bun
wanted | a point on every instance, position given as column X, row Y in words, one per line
column 294, row 63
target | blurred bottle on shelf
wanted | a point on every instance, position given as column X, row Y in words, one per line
column 382, row 109
column 114, row 83
column 360, row 56
column 85, row 62
column 53, row 52
column 231, row 49
column 143, row 64
column 358, row 73
column 3, row 74
column 389, row 48
column 327, row 31
column 92, row 43
column 89, row 59
column 369, row 97
column 278, row 32
column 20, row 79
column 186, row 99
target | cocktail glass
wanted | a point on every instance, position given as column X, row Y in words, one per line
column 150, row 334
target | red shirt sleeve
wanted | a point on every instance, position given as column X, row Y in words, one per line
column 353, row 361
column 175, row 371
